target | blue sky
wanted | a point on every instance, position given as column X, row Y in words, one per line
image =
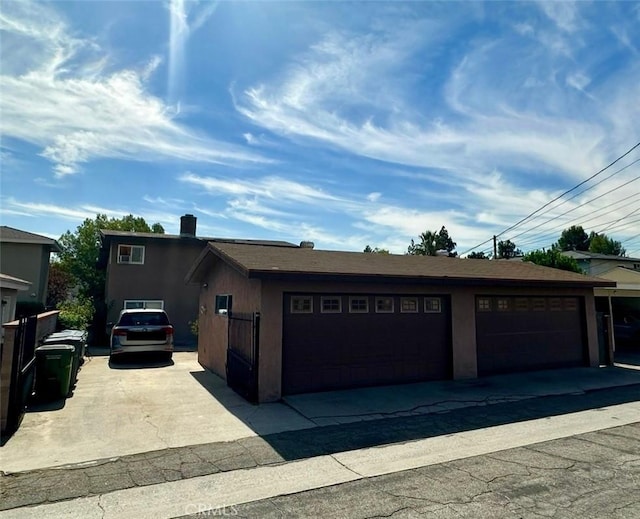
column 342, row 123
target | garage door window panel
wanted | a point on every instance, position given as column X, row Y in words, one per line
column 330, row 304
column 301, row 304
column 484, row 304
column 409, row 305
column 384, row 305
column 359, row 305
column 432, row 305
column 140, row 304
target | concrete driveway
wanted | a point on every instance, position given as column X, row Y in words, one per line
column 132, row 408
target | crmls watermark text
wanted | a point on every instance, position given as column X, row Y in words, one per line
column 208, row 510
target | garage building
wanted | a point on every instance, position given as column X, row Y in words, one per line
column 279, row 320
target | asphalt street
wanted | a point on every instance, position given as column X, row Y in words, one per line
column 594, row 474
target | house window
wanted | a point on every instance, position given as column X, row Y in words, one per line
column 521, row 304
column 503, row 304
column 555, row 304
column 484, row 304
column 432, row 305
column 384, row 305
column 358, row 305
column 223, row 304
column 301, row 305
column 409, row 305
column 132, row 254
column 140, row 304
column 570, row 304
column 538, row 304
column 330, row 305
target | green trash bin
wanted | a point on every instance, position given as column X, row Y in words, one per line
column 78, row 347
column 54, row 364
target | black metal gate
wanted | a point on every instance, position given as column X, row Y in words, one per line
column 243, row 348
column 22, row 371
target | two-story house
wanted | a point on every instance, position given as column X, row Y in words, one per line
column 147, row 270
column 25, row 255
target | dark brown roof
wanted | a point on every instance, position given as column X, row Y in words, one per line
column 263, row 261
column 11, row 235
column 131, row 234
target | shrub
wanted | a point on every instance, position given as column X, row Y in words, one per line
column 76, row 313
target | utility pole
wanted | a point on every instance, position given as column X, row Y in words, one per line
column 495, row 248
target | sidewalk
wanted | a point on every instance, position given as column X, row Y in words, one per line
column 482, row 415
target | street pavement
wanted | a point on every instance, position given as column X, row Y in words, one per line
column 574, row 455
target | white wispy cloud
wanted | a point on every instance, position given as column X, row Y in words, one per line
column 326, row 97
column 77, row 110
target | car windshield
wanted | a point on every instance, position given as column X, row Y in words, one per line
column 144, row 319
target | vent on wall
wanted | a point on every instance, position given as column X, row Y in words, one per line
column 307, row 245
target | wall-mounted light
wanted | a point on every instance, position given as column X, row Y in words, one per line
column 205, row 285
column 203, row 309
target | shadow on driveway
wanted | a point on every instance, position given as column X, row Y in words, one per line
column 376, row 430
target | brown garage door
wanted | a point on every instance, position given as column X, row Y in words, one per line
column 529, row 333
column 342, row 341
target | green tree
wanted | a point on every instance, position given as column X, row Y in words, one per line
column 431, row 242
column 377, row 250
column 79, row 259
column 507, row 249
column 552, row 258
column 478, row 255
column 602, row 244
column 573, row 238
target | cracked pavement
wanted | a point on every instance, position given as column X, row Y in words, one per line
column 593, row 475
column 514, row 482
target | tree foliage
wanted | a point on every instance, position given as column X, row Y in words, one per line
column 376, row 250
column 431, row 242
column 552, row 258
column 59, row 284
column 507, row 249
column 573, row 238
column 477, row 255
column 602, row 244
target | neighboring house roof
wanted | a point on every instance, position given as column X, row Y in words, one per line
column 11, row 235
column 267, row 261
column 14, row 283
column 128, row 234
column 584, row 255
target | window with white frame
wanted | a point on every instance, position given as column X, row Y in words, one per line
column 132, row 254
column 301, row 304
column 358, row 305
column 432, row 305
column 140, row 304
column 330, row 304
column 409, row 305
column 384, row 305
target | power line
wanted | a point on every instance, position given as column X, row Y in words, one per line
column 579, row 206
column 557, row 198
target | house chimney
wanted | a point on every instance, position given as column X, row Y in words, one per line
column 307, row 245
column 188, row 226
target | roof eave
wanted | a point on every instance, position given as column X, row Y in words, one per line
column 439, row 280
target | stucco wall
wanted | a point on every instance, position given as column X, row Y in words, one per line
column 166, row 263
column 28, row 261
column 212, row 333
column 267, row 297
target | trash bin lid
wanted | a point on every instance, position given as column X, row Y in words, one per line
column 56, row 347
